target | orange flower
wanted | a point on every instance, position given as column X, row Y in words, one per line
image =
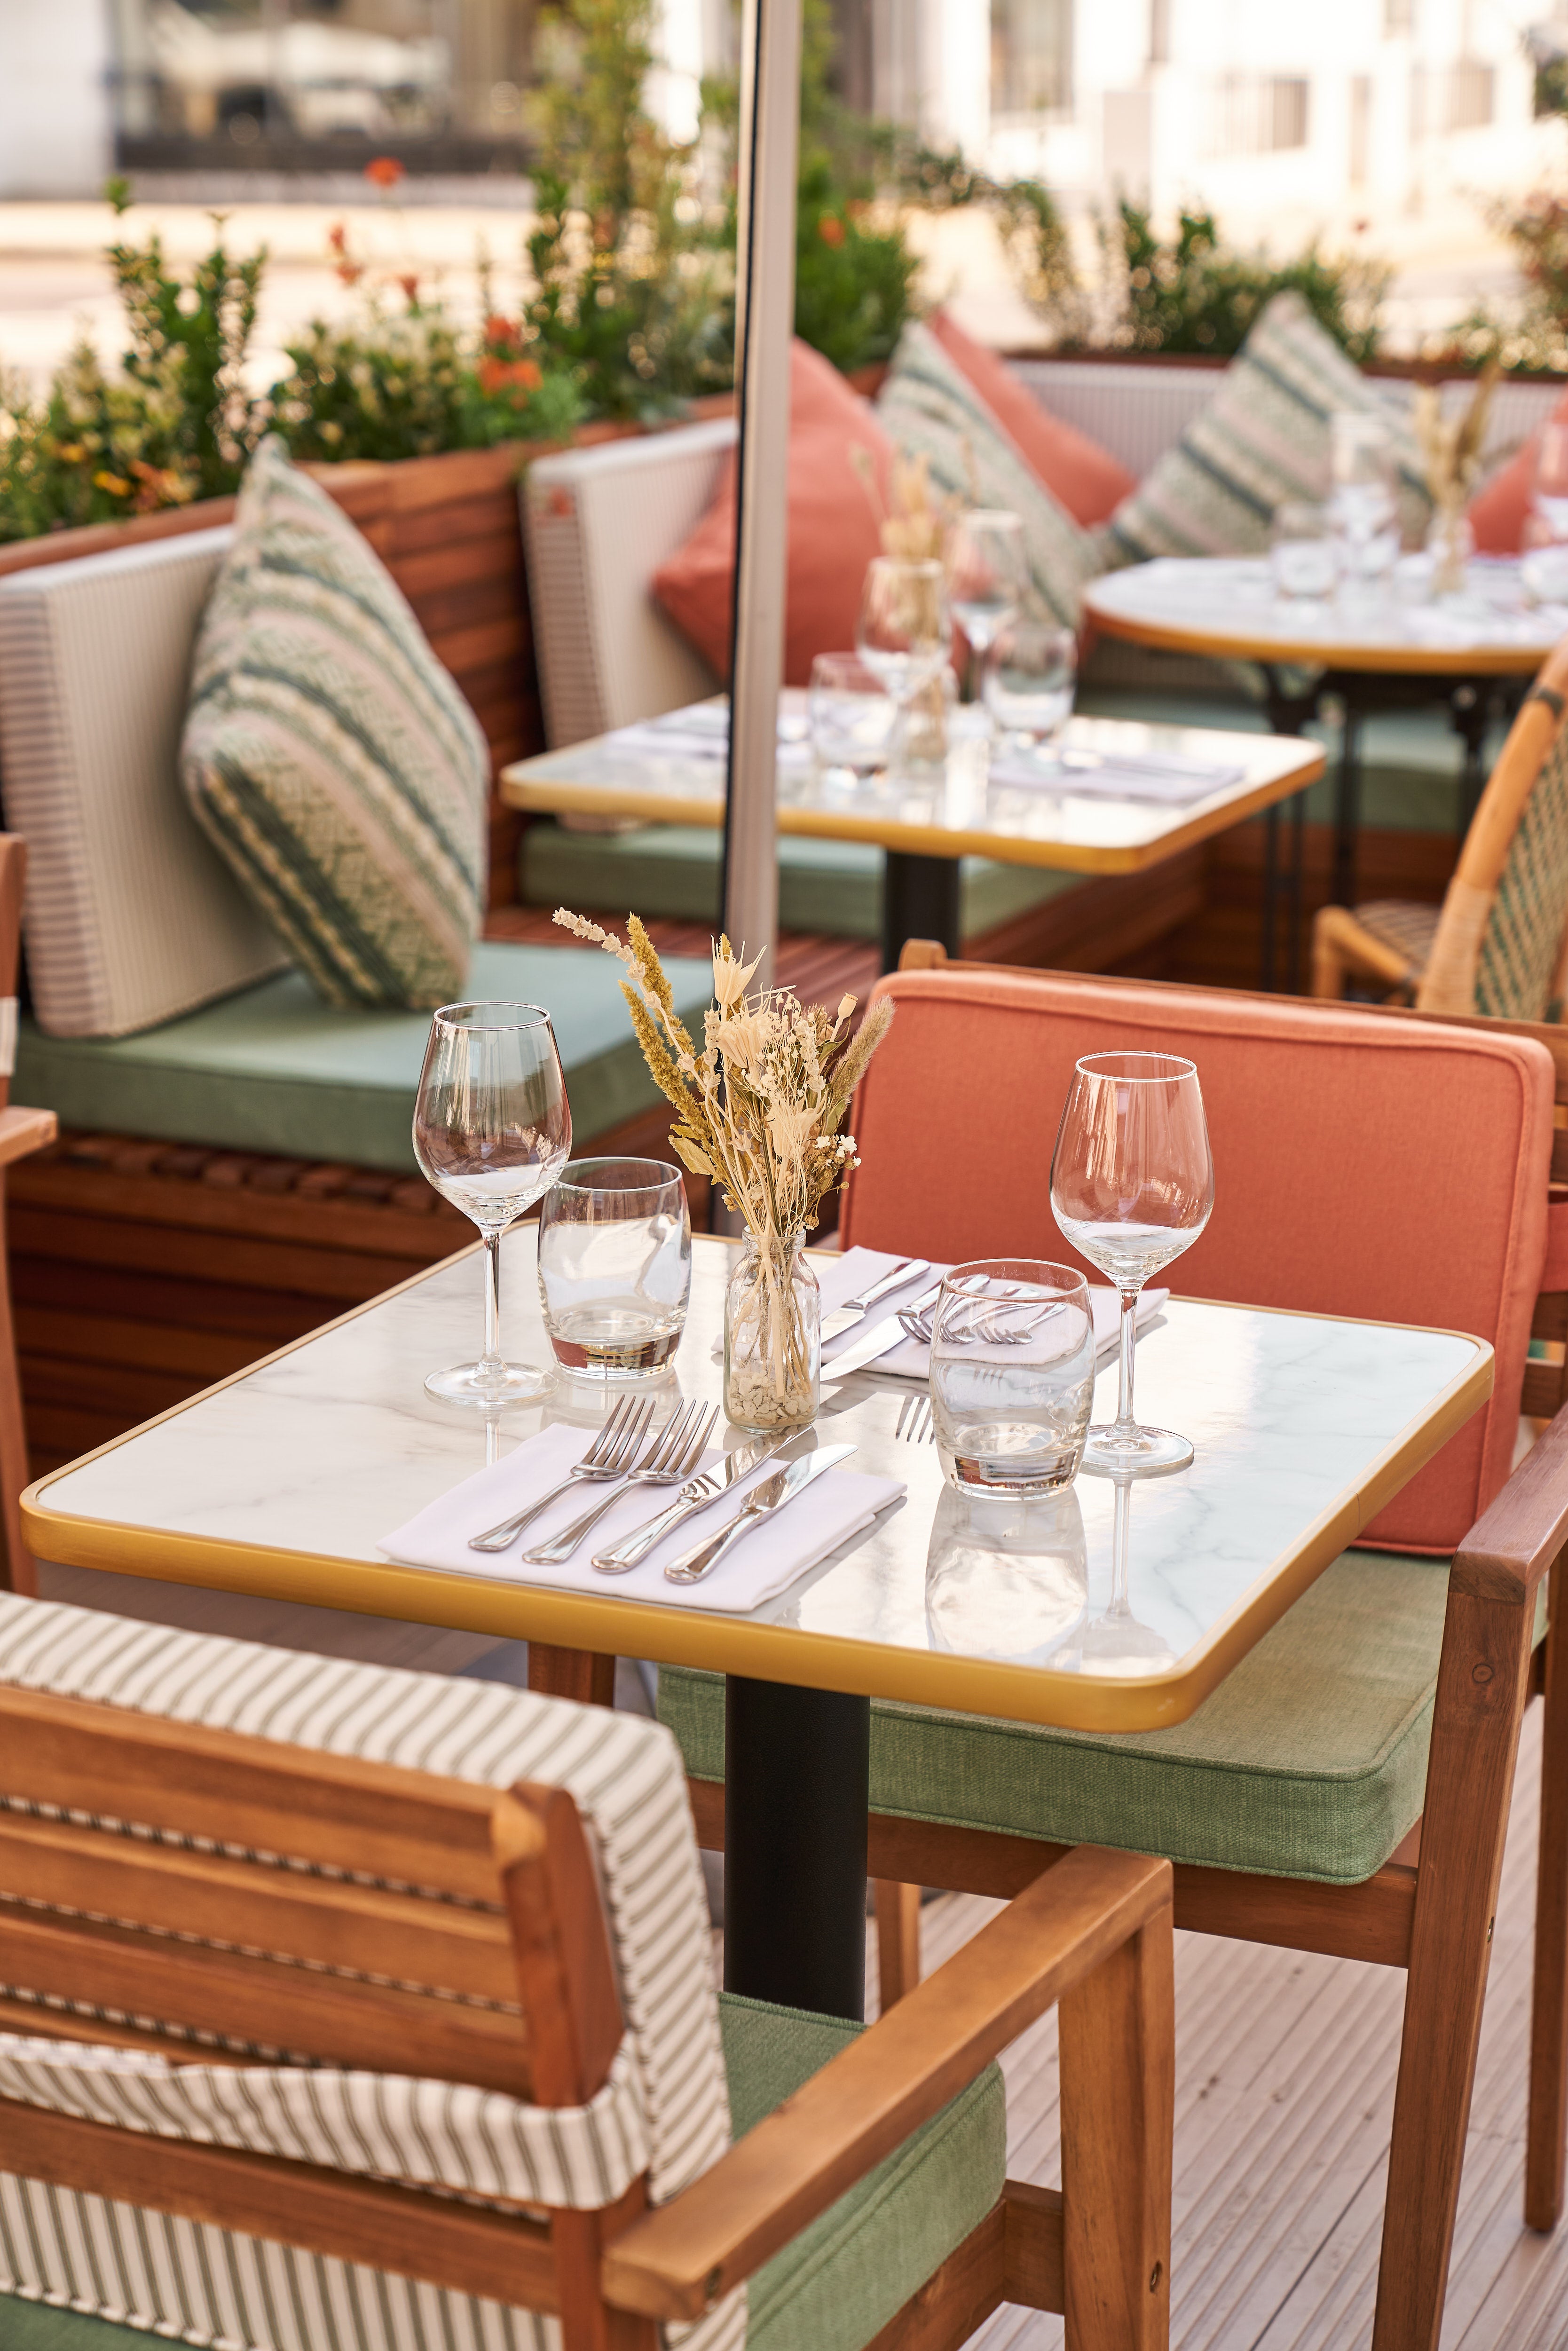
column 502, row 375
column 831, row 229
column 338, row 236
column 410, row 284
column 498, row 330
column 349, row 272
column 384, row 172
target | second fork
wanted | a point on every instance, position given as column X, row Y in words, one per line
column 674, row 1454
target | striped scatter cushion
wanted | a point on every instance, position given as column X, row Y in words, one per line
column 928, row 408
column 664, row 2107
column 331, row 758
column 1262, row 440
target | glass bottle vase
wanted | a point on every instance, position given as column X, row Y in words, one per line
column 772, row 1335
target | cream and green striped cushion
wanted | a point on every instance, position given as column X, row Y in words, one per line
column 1262, row 440
column 927, row 409
column 329, row 757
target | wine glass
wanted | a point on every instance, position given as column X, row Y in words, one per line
column 987, row 577
column 1132, row 1185
column 905, row 630
column 492, row 1131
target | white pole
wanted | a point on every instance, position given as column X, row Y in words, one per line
column 764, row 313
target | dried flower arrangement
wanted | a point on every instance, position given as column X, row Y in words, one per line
column 761, row 1108
column 914, row 522
column 1451, row 455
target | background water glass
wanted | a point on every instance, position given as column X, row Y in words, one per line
column 1012, row 1376
column 852, row 714
column 987, row 577
column 1301, row 554
column 1030, row 681
column 1362, row 502
column 615, row 1266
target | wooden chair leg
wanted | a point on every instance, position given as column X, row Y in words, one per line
column 580, row 1673
column 1546, row 2143
column 17, row 1572
column 1118, row 2098
column 897, row 1939
column 1481, row 1683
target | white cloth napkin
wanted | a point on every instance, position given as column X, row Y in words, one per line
column 833, row 1508
column 845, row 1277
column 1174, row 781
column 701, row 731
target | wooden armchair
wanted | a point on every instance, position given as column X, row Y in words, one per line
column 473, row 1918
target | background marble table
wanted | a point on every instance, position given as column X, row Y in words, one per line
column 280, row 1481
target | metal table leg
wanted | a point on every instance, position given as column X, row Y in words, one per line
column 1270, row 896
column 1469, row 712
column 1347, row 805
column 797, row 1766
column 920, row 900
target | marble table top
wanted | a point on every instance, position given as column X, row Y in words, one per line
column 963, row 812
column 280, row 1481
column 1225, row 607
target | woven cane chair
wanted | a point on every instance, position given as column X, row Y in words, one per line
column 1498, row 943
column 1393, row 1168
column 350, row 2006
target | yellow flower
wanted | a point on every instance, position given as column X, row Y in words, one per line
column 730, row 979
column 114, row 483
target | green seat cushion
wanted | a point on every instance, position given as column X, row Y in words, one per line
column 834, row 886
column 274, row 1068
column 1309, row 1760
column 840, row 2281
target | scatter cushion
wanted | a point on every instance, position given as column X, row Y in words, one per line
column 1081, row 475
column 832, row 528
column 1262, row 440
column 1497, row 512
column 329, row 757
column 930, row 409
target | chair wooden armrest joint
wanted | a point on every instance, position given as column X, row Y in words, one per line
column 1517, row 1538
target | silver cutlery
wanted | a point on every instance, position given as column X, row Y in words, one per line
column 611, row 1452
column 672, row 1455
column 915, row 1423
column 760, row 1504
column 696, row 1496
column 855, row 1309
column 890, row 1332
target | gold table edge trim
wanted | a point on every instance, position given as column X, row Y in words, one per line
column 1398, row 660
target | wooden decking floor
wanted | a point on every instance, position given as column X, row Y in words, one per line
column 1285, row 2067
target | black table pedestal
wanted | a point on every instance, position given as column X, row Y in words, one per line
column 796, row 1771
column 920, row 900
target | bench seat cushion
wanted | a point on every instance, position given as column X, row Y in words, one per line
column 671, row 871
column 274, row 1068
column 1310, row 1761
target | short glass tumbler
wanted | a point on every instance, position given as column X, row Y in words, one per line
column 1030, row 674
column 1302, row 556
column 615, row 1266
column 1012, row 1376
column 851, row 716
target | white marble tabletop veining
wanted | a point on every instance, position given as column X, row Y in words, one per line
column 285, row 1479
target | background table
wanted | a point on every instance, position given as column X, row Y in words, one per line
column 280, row 1480
column 926, row 827
column 1470, row 651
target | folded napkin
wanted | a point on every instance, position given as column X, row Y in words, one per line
column 1174, row 781
column 701, row 731
column 845, row 1277
column 831, row 1510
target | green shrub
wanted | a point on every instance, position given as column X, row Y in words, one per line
column 854, row 283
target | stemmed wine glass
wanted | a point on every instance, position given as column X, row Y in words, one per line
column 987, row 577
column 1132, row 1185
column 904, row 632
column 492, row 1131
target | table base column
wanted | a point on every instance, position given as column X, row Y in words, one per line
column 920, row 900
column 797, row 1766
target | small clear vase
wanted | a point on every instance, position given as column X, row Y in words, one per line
column 772, row 1335
column 1450, row 543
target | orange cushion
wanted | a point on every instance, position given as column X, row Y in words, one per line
column 1390, row 1169
column 833, row 531
column 1498, row 510
column 1083, row 477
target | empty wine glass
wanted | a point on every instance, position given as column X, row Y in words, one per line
column 905, row 630
column 492, row 1131
column 987, row 576
column 1132, row 1185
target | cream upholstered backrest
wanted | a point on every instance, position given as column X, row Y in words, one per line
column 130, row 916
column 597, row 523
column 664, row 2109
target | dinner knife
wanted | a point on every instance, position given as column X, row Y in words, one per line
column 761, row 1503
column 716, row 1481
column 855, row 1310
column 866, row 1348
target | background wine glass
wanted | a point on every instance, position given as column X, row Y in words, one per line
column 492, row 1131
column 1132, row 1185
column 905, row 628
column 987, row 578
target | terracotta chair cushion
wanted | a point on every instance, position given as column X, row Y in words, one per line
column 1086, row 479
column 1365, row 1166
column 1497, row 512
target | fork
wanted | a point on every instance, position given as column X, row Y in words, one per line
column 693, row 1499
column 671, row 1457
column 615, row 1444
column 915, row 1423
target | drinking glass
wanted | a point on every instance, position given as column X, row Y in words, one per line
column 616, row 1265
column 1030, row 681
column 1301, row 554
column 1544, row 572
column 1012, row 1376
column 1132, row 1185
column 905, row 631
column 1365, row 519
column 988, row 574
column 852, row 714
column 491, row 1131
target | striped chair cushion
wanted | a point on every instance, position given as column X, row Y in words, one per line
column 1262, row 440
column 929, row 409
column 663, row 2108
column 330, row 757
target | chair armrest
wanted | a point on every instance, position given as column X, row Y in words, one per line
column 22, row 1132
column 675, row 2262
column 1517, row 1538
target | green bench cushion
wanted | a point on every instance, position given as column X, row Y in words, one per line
column 840, row 2281
column 1310, row 1761
column 836, row 887
column 274, row 1068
